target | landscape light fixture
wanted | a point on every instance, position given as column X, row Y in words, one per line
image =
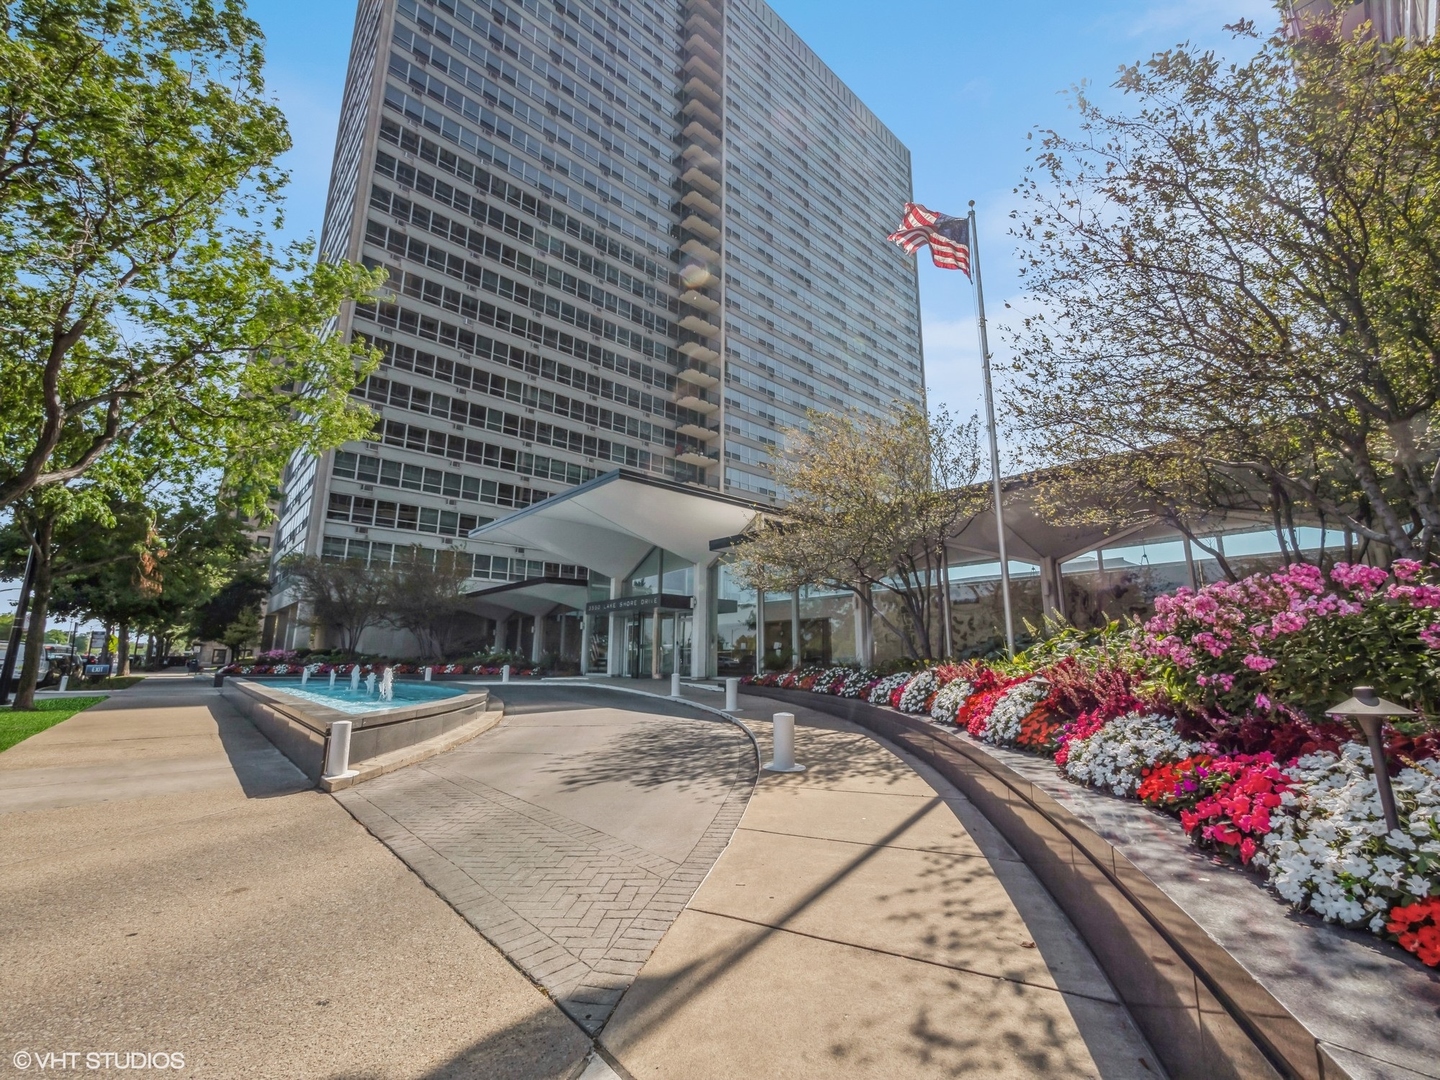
column 1370, row 711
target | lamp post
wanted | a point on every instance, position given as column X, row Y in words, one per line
column 1370, row 711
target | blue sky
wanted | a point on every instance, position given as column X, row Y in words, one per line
column 960, row 82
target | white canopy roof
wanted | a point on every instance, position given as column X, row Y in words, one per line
column 611, row 522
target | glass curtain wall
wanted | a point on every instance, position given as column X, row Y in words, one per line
column 734, row 629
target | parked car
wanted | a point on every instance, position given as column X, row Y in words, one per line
column 57, row 660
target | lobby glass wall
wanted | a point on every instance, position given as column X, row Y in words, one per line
column 598, row 658
column 733, row 630
column 827, row 627
column 779, row 652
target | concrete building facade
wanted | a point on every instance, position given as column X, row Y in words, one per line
column 627, row 234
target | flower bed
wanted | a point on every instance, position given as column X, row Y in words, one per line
column 1213, row 712
column 296, row 668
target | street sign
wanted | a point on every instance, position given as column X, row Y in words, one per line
column 97, row 641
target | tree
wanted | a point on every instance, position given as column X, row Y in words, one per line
column 1234, row 289
column 345, row 597
column 147, row 315
column 147, row 569
column 872, row 501
column 426, row 600
column 232, row 615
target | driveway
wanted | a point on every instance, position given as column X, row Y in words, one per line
column 572, row 834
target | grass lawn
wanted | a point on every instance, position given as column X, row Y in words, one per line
column 109, row 682
column 18, row 726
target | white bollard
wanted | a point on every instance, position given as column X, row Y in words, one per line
column 732, row 695
column 428, row 672
column 675, row 684
column 332, row 678
column 355, row 679
column 64, row 683
column 337, row 756
column 784, row 748
column 505, row 673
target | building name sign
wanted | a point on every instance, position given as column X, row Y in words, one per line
column 665, row 602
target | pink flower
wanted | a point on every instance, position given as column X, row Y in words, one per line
column 1259, row 663
column 1431, row 635
column 1359, row 577
column 1407, row 569
column 1226, row 681
column 1288, row 622
column 1263, row 702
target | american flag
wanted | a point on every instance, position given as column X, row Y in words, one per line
column 948, row 237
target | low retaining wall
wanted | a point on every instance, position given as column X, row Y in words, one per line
column 301, row 729
column 1205, row 1015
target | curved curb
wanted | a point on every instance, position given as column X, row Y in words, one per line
column 1204, row 1014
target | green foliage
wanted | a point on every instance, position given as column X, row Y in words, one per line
column 345, row 598
column 871, row 503
column 18, row 725
column 148, row 317
column 1234, row 289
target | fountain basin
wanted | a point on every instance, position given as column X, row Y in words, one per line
column 354, row 702
column 298, row 721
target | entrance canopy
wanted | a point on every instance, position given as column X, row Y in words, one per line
column 532, row 596
column 610, row 523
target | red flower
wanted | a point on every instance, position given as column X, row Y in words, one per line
column 1417, row 928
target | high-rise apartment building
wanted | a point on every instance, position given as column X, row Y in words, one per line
column 619, row 233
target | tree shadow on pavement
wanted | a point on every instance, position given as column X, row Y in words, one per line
column 683, row 754
column 543, row 1045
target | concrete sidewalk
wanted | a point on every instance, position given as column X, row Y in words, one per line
column 866, row 921
column 169, row 882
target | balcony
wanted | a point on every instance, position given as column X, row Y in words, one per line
column 696, row 404
column 697, row 66
column 694, row 457
column 699, row 89
column 697, row 45
column 695, row 131
column 705, row 8
column 699, row 300
column 699, row 24
column 695, row 178
column 697, row 325
column 698, row 433
column 697, row 276
column 700, row 227
column 697, row 155
column 695, row 351
column 696, row 201
column 697, row 108
column 700, row 251
column 698, row 377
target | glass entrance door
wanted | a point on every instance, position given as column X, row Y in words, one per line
column 676, row 643
column 667, row 643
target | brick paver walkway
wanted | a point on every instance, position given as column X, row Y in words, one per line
column 573, row 834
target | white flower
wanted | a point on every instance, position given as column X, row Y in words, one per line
column 1330, row 852
column 1115, row 756
column 951, row 697
column 917, row 692
column 883, row 689
column 1003, row 727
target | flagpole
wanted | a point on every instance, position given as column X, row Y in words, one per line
column 990, row 426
